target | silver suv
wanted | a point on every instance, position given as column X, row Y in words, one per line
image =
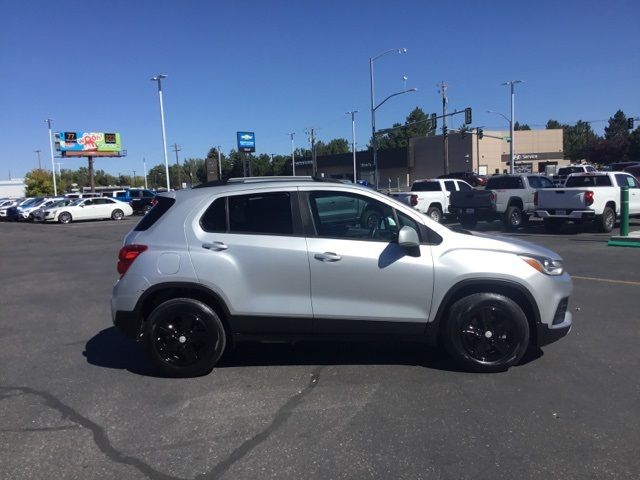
column 298, row 257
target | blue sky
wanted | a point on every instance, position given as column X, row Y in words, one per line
column 277, row 66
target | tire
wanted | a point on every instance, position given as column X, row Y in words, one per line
column 468, row 221
column 552, row 225
column 605, row 222
column 434, row 214
column 117, row 214
column 486, row 332
column 64, row 217
column 512, row 218
column 370, row 219
column 185, row 337
column 146, row 209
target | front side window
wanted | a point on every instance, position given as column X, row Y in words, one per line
column 351, row 216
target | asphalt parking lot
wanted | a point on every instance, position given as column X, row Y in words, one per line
column 79, row 400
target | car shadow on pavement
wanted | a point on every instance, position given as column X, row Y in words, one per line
column 111, row 349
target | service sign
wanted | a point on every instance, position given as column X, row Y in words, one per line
column 87, row 142
column 246, row 142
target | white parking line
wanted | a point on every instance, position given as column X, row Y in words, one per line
column 608, row 280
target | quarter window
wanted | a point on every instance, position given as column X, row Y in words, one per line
column 215, row 217
column 464, row 186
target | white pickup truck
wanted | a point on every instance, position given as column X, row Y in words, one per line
column 564, row 172
column 593, row 196
column 431, row 196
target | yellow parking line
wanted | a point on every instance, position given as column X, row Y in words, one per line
column 608, row 280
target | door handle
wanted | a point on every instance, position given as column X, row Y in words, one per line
column 327, row 257
column 217, row 246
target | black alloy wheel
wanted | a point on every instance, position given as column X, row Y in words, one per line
column 185, row 337
column 487, row 332
column 117, row 214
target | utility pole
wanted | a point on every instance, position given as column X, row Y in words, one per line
column 353, row 140
column 312, row 140
column 512, row 149
column 144, row 165
column 53, row 167
column 445, row 134
column 219, row 164
column 293, row 155
column 39, row 164
column 134, row 179
column 176, row 148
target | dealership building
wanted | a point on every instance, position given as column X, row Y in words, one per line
column 535, row 151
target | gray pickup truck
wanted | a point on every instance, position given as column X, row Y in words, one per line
column 506, row 197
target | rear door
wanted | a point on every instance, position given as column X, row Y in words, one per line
column 361, row 280
column 624, row 179
column 250, row 249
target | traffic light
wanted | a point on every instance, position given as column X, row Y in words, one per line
column 480, row 133
column 445, row 131
column 434, row 121
column 467, row 115
column 630, row 123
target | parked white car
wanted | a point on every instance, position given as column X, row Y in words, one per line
column 92, row 209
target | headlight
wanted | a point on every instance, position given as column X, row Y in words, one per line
column 545, row 265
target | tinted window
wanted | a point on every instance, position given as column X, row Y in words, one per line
column 504, row 183
column 534, row 182
column 159, row 209
column 625, row 180
column 215, row 217
column 426, row 187
column 589, row 181
column 268, row 213
column 464, row 186
column 546, row 183
column 450, row 186
column 121, row 194
column 569, row 170
column 350, row 216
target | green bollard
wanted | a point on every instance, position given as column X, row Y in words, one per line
column 624, row 211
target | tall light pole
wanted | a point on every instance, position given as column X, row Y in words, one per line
column 53, row 167
column 510, row 139
column 511, row 83
column 373, row 107
column 353, row 141
column 219, row 164
column 39, row 163
column 293, row 155
column 144, row 166
column 158, row 78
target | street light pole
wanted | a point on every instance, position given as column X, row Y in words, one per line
column 373, row 109
column 353, row 141
column 53, row 167
column 39, row 163
column 512, row 150
column 293, row 155
column 158, row 78
column 510, row 133
column 219, row 164
column 144, row 165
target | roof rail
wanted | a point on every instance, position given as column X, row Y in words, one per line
column 237, row 180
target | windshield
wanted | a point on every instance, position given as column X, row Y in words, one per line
column 60, row 203
column 589, row 181
column 77, row 201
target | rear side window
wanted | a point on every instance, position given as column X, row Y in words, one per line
column 215, row 217
column 464, row 186
column 159, row 209
column 450, row 186
column 589, row 181
column 426, row 187
column 262, row 213
column 504, row 183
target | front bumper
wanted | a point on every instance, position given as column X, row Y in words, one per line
column 547, row 334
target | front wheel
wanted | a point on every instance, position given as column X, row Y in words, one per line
column 434, row 214
column 117, row 215
column 185, row 337
column 64, row 217
column 486, row 332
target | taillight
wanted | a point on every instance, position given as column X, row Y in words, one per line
column 414, row 200
column 588, row 198
column 127, row 255
column 535, row 199
column 154, row 201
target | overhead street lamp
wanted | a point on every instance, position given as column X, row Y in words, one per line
column 511, row 83
column 374, row 108
column 158, row 78
column 510, row 137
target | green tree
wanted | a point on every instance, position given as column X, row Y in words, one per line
column 39, row 183
column 553, row 125
column 579, row 140
column 616, row 139
column 417, row 124
column 633, row 152
column 518, row 126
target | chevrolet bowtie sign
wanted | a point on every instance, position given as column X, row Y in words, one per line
column 246, row 142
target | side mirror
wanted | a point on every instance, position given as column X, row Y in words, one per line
column 408, row 238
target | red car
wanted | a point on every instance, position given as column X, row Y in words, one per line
column 469, row 177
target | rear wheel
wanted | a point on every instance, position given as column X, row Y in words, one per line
column 605, row 222
column 486, row 332
column 185, row 337
column 512, row 218
column 468, row 221
column 117, row 214
column 434, row 214
column 370, row 219
column 64, row 217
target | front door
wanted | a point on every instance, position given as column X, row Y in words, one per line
column 361, row 280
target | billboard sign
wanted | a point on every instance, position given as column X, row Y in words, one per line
column 246, row 142
column 87, row 142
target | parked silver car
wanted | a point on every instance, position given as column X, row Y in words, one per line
column 299, row 257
